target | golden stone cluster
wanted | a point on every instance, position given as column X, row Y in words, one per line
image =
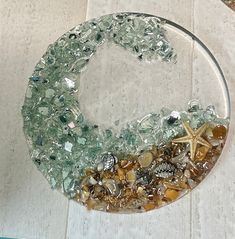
column 138, row 183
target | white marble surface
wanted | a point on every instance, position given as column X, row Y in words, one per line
column 28, row 207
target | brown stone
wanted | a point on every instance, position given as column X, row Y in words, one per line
column 219, row 132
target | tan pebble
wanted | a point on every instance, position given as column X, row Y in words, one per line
column 140, row 191
column 131, row 176
column 172, row 186
column 121, row 174
column 171, row 194
column 201, row 153
column 145, row 159
column 160, row 202
column 184, row 185
column 90, row 204
column 149, row 206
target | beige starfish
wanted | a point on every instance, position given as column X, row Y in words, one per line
column 194, row 138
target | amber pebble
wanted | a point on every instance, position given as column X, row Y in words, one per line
column 131, row 176
column 219, row 132
column 121, row 174
column 84, row 196
column 145, row 160
column 116, row 178
column 184, row 185
column 90, row 203
column 160, row 202
column 149, row 206
column 85, row 188
column 128, row 165
column 201, row 153
column 171, row 194
column 107, row 174
column 174, row 186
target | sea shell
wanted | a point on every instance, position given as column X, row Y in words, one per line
column 108, row 161
column 165, row 170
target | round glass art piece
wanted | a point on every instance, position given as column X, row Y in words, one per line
column 126, row 113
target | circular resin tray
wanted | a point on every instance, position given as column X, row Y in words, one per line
column 126, row 113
